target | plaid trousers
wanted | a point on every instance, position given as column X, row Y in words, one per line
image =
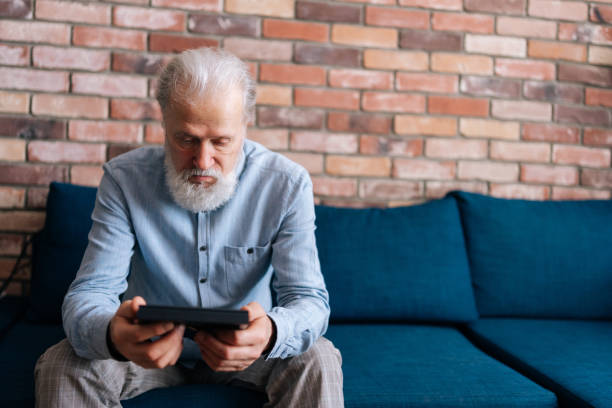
column 311, row 379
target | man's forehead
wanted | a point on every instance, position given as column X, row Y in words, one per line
column 216, row 109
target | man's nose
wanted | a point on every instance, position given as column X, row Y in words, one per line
column 203, row 158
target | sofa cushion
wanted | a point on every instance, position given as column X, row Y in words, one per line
column 59, row 248
column 573, row 358
column 198, row 395
column 405, row 263
column 539, row 259
column 388, row 366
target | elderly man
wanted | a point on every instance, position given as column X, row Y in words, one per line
column 211, row 221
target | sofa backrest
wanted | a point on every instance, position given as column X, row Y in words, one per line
column 545, row 259
column 406, row 263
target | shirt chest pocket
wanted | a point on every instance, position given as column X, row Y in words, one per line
column 245, row 266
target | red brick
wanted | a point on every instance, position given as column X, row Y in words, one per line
column 150, row 19
column 575, row 193
column 135, row 1
column 16, row 9
column 71, row 106
column 431, row 40
column 274, row 95
column 462, row 64
column 600, row 55
column 488, row 171
column 31, row 174
column 335, row 187
column 71, row 58
column 423, row 169
column 525, row 69
column 438, row 189
column 433, row 4
column 587, row 74
column 456, row 148
column 358, row 166
column 553, row 92
column 390, row 189
column 15, row 102
column 425, row 125
column 296, row 74
column 11, row 197
column 26, row 221
column 14, row 55
column 520, row 151
column 62, row 152
column 86, row 175
column 496, row 6
column 601, row 14
column 556, row 50
column 197, row 5
column 93, row 131
column 550, row 133
column 596, row 178
column 497, row 87
column 585, row 116
column 349, row 203
column 73, row 12
column 178, row 43
column 295, row 30
column 427, row 82
column 396, row 60
column 109, row 38
column 21, row 78
column 337, row 13
column 313, row 163
column 37, row 197
column 449, row 105
column 597, row 137
column 275, row 139
column 393, row 102
column 325, row 55
column 324, row 142
column 581, row 156
column 135, row 110
column 526, row 27
column 268, row 116
column 369, row 144
column 537, row 111
column 360, row 79
column 223, row 25
column 471, row 23
column 539, row 173
column 154, row 133
column 26, row 128
column 139, row 64
column 364, row 36
column 520, row 191
column 259, row 49
column 274, row 8
column 394, row 17
column 10, row 244
column 35, row 31
column 327, row 98
column 109, row 85
column 358, row 122
column 490, row 129
column 558, row 10
column 590, row 33
column 495, row 45
column 12, row 149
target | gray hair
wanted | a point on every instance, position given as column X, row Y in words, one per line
column 201, row 72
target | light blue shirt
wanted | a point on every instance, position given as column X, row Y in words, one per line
column 143, row 243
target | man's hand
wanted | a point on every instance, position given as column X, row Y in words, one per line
column 235, row 350
column 132, row 339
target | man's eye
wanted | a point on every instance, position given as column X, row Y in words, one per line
column 221, row 142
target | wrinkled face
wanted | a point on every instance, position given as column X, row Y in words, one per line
column 206, row 135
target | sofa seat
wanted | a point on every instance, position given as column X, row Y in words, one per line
column 397, row 365
column 573, row 358
column 198, row 395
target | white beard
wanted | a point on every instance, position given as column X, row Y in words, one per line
column 197, row 197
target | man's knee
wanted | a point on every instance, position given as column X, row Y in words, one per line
column 323, row 356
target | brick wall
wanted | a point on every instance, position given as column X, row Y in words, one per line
column 385, row 102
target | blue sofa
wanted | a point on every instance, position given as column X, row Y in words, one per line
column 465, row 301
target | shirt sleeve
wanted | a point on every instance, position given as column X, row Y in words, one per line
column 93, row 297
column 302, row 314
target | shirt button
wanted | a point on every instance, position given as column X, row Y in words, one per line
column 250, row 251
column 203, row 248
column 203, row 280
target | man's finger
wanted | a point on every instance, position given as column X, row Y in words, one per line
column 227, row 352
column 255, row 310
